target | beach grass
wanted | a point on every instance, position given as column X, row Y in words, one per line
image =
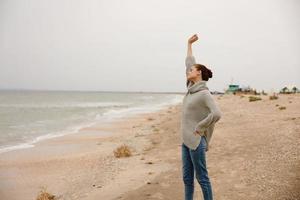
column 150, row 118
column 253, row 98
column 44, row 195
column 273, row 97
column 122, row 151
column 282, row 108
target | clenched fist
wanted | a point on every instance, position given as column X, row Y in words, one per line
column 193, row 39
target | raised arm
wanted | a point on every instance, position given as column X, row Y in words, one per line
column 191, row 40
column 190, row 59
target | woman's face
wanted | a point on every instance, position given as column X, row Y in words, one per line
column 193, row 73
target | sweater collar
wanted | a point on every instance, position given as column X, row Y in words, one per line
column 198, row 86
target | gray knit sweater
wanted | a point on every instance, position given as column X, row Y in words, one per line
column 199, row 111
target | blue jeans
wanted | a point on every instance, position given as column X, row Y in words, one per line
column 194, row 160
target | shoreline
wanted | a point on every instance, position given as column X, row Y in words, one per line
column 262, row 162
column 107, row 117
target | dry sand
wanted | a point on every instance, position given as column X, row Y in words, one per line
column 254, row 154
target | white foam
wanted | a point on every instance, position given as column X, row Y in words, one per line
column 109, row 115
column 120, row 113
column 31, row 143
column 16, row 147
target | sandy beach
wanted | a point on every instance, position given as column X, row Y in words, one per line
column 254, row 154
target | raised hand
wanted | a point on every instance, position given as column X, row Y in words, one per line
column 193, row 39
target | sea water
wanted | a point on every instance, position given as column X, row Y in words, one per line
column 27, row 117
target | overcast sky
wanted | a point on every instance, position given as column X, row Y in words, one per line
column 140, row 45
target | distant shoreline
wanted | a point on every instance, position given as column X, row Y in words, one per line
column 91, row 111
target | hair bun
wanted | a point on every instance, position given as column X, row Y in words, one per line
column 209, row 73
column 206, row 73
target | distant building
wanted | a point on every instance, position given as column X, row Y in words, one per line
column 236, row 89
column 232, row 88
column 246, row 89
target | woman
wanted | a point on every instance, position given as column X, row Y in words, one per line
column 199, row 115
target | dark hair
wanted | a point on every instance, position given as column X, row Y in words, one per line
column 205, row 72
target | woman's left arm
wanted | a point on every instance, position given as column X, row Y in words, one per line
column 212, row 117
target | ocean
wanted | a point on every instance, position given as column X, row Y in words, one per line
column 27, row 117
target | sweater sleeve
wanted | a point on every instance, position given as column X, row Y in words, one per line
column 189, row 62
column 212, row 117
